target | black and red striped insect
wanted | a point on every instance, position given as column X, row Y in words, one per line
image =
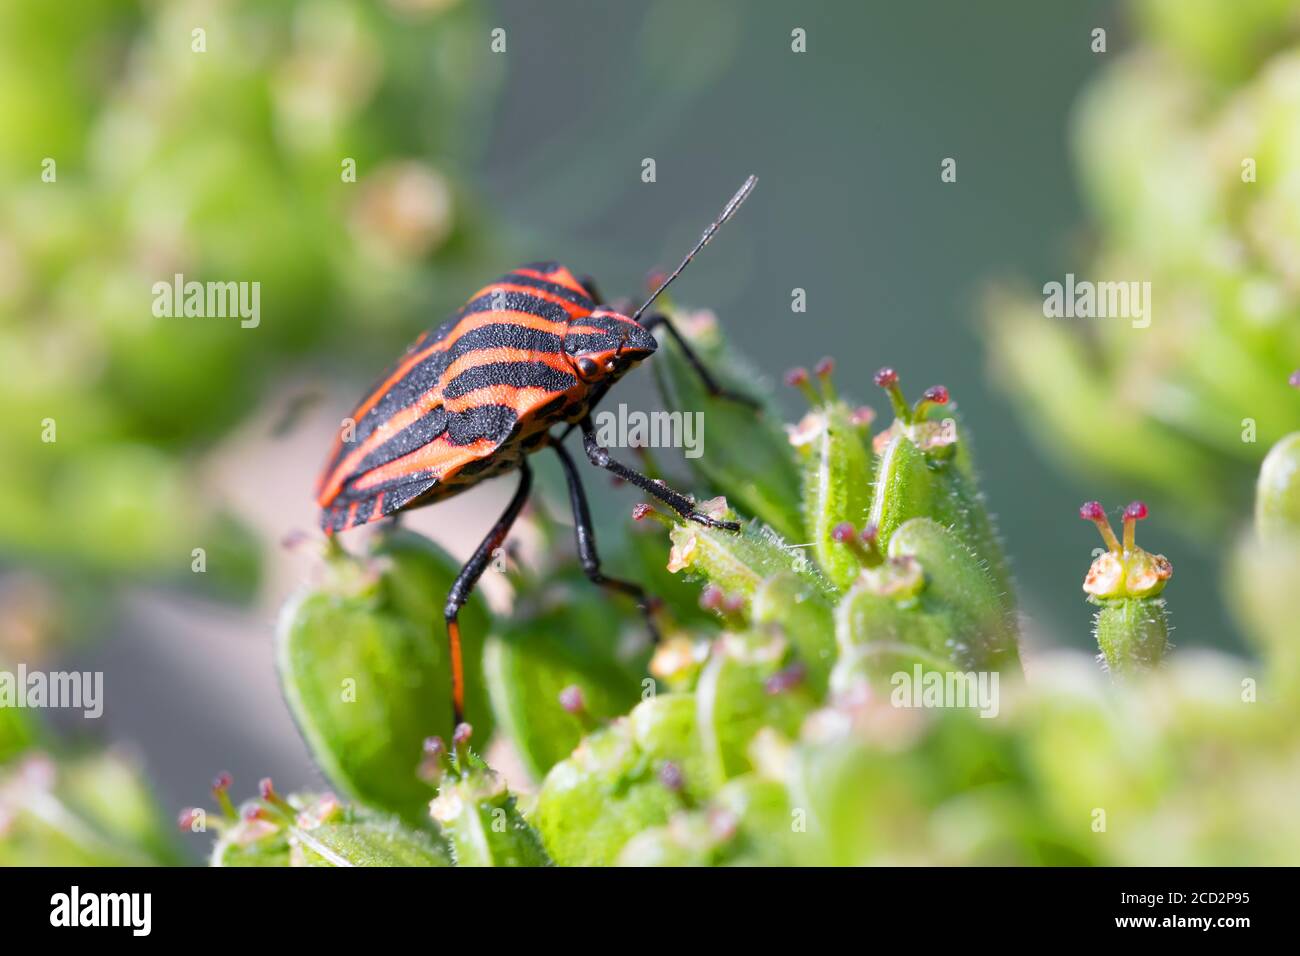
column 474, row 397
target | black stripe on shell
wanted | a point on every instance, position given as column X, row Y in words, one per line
column 515, row 374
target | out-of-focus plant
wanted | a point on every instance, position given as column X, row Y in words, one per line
column 1266, row 565
column 84, row 809
column 1186, row 148
column 313, row 147
column 308, row 830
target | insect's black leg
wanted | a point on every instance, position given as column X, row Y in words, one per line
column 585, row 534
column 468, row 577
column 588, row 283
column 684, row 505
column 651, row 322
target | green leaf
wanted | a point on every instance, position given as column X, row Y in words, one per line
column 364, row 664
column 764, row 834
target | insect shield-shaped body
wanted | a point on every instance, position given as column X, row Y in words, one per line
column 470, row 398
column 475, row 396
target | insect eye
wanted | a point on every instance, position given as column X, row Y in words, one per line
column 587, row 367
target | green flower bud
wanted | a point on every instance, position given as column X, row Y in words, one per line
column 1133, row 634
column 1132, row 628
column 318, row 830
column 479, row 816
column 621, row 780
column 1277, row 492
column 832, row 442
column 904, row 486
column 364, row 664
column 926, row 470
column 928, row 601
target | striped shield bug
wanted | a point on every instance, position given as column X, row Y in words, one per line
column 474, row 397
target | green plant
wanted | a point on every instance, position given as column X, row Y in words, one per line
column 310, row 830
column 852, row 697
column 1125, row 583
column 800, row 709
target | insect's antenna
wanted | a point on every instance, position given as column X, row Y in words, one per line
column 728, row 211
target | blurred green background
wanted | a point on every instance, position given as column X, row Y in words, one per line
column 176, row 434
